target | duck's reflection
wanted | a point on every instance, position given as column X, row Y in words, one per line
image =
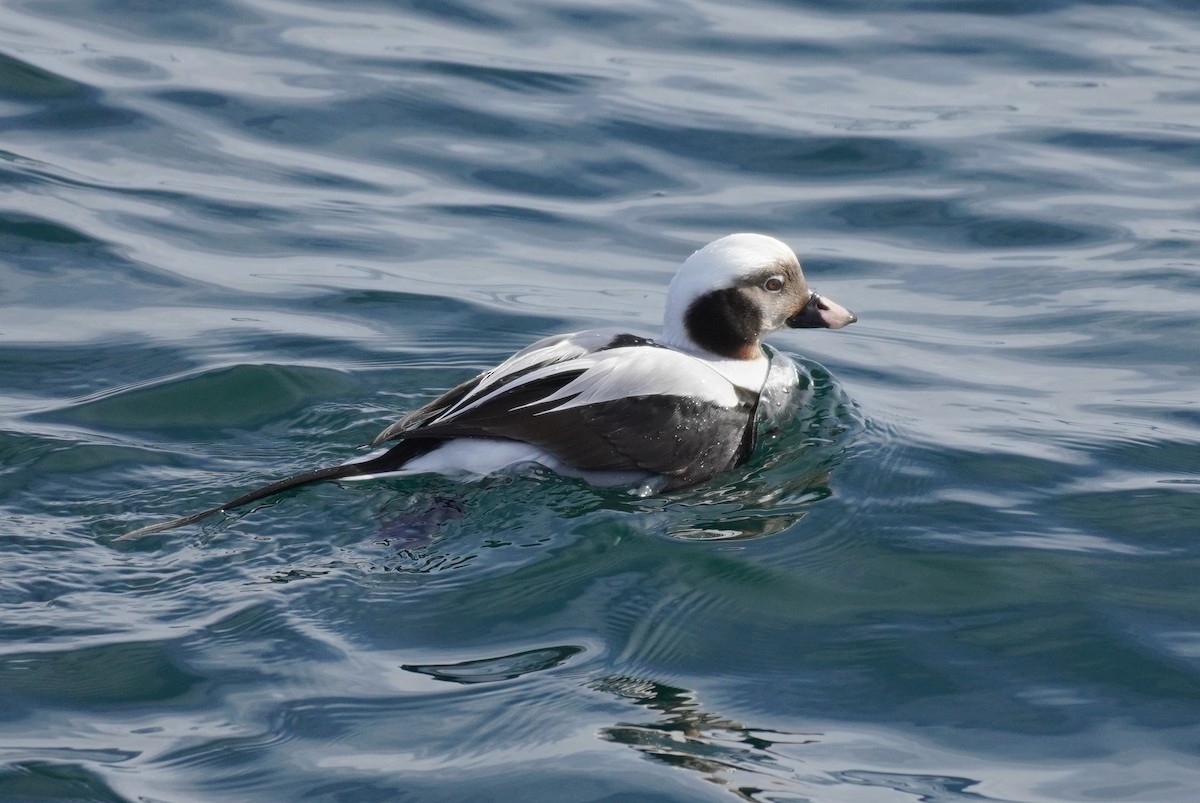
column 724, row 751
column 760, row 764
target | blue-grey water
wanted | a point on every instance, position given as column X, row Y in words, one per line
column 237, row 238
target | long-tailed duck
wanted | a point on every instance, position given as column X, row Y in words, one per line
column 607, row 405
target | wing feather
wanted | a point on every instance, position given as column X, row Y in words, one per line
column 545, row 352
column 620, row 409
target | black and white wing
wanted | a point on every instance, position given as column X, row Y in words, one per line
column 539, row 354
column 600, row 402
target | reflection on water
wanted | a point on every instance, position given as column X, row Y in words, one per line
column 754, row 764
column 417, row 520
column 685, row 735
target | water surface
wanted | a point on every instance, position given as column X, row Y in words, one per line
column 239, row 238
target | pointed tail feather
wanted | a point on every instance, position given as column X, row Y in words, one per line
column 392, row 460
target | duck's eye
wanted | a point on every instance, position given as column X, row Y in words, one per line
column 773, row 284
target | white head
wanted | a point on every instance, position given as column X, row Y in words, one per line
column 733, row 290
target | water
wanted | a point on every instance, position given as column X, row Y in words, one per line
column 239, row 238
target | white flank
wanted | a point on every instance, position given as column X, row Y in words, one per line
column 478, row 456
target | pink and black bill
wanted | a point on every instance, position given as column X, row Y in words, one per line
column 821, row 313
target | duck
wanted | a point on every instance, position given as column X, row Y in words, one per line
column 609, row 406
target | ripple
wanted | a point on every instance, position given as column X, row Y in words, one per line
column 503, row 667
column 918, row 219
column 57, row 778
column 493, row 75
column 771, row 154
column 21, row 81
column 243, row 396
column 179, row 22
column 117, row 673
column 1174, row 150
column 39, row 230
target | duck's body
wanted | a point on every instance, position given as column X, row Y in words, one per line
column 609, row 406
column 612, row 407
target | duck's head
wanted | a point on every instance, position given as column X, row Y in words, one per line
column 731, row 292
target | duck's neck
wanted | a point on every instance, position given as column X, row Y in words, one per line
column 749, row 370
column 748, row 374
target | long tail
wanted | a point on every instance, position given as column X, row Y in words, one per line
column 391, row 460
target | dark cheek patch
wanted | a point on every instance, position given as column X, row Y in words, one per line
column 724, row 322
